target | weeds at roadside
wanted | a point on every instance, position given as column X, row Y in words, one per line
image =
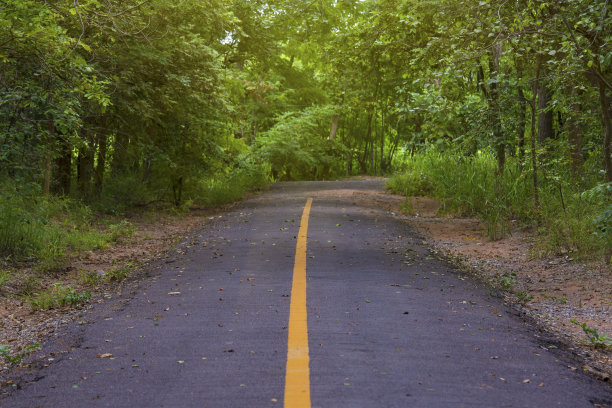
column 58, row 296
column 90, row 279
column 523, row 297
column 407, row 207
column 593, row 338
column 507, row 281
column 14, row 359
column 562, row 299
column 29, row 285
column 4, row 278
column 123, row 229
column 119, row 272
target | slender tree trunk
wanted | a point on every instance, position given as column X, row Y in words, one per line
column 100, row 164
column 607, row 125
column 382, row 141
column 492, row 96
column 364, row 161
column 334, row 127
column 545, row 117
column 63, row 165
column 521, row 128
column 120, row 148
column 85, row 164
column 574, row 136
column 534, row 159
column 47, row 168
column 604, row 104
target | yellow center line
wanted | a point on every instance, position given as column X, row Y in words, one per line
column 297, row 378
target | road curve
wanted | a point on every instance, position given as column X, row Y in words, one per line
column 388, row 323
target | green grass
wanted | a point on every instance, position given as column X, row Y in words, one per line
column 231, row 187
column 45, row 231
column 569, row 219
column 58, row 296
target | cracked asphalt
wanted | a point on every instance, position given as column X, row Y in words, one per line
column 389, row 323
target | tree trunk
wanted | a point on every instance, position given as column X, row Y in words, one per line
column 575, row 137
column 85, row 164
column 120, row 147
column 382, row 142
column 521, row 126
column 498, row 137
column 334, row 127
column 100, row 164
column 607, row 127
column 545, row 118
column 534, row 159
column 47, row 165
column 63, row 165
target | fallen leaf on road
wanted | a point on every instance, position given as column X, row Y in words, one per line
column 105, row 355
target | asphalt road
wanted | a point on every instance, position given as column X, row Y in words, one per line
column 388, row 324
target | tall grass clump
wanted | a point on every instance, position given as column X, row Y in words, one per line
column 569, row 218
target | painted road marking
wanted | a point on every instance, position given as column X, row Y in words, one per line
column 297, row 378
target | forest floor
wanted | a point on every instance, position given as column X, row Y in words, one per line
column 551, row 290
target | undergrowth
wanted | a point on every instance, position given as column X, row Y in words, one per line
column 58, row 296
column 569, row 219
column 44, row 230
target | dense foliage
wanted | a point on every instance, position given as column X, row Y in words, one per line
column 118, row 104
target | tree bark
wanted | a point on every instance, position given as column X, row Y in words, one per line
column 100, row 164
column 498, row 137
column 574, row 136
column 604, row 104
column 521, row 126
column 534, row 159
column 63, row 165
column 47, row 165
column 334, row 127
column 85, row 166
column 545, row 117
column 120, row 147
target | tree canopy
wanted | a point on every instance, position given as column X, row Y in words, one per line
column 133, row 101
